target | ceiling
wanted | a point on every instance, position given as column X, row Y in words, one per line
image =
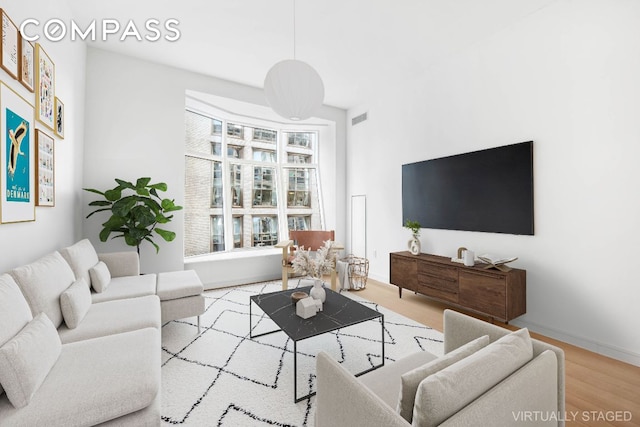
column 355, row 45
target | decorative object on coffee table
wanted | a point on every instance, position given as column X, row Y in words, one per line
column 297, row 296
column 317, row 292
column 414, row 242
column 306, row 308
column 315, row 267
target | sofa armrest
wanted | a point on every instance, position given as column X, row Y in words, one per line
column 121, row 264
column 529, row 391
column 460, row 329
column 343, row 400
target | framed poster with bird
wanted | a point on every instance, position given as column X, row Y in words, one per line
column 17, row 157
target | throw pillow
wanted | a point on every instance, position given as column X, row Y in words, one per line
column 81, row 257
column 27, row 358
column 75, row 302
column 42, row 282
column 446, row 392
column 412, row 379
column 14, row 310
column 100, row 277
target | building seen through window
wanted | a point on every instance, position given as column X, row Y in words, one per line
column 247, row 185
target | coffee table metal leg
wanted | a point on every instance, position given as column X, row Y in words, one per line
column 382, row 341
column 295, row 373
column 297, row 399
column 250, row 317
column 381, row 363
column 251, row 328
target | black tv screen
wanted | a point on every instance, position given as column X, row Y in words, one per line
column 488, row 190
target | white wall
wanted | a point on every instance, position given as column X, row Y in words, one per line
column 58, row 226
column 567, row 78
column 135, row 127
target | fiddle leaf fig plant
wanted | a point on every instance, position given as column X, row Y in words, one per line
column 136, row 211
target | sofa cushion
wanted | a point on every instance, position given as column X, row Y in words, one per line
column 411, row 380
column 27, row 358
column 75, row 302
column 81, row 257
column 127, row 287
column 94, row 381
column 114, row 317
column 100, row 277
column 14, row 310
column 446, row 392
column 385, row 381
column 178, row 284
column 42, row 282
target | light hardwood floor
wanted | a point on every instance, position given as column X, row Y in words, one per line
column 596, row 386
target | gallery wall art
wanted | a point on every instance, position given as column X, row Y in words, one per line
column 45, row 88
column 17, row 157
column 45, row 165
column 59, row 112
column 9, row 45
column 25, row 65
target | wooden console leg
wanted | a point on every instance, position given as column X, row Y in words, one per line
column 333, row 279
column 285, row 279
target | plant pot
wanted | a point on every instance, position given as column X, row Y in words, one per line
column 318, row 292
column 414, row 245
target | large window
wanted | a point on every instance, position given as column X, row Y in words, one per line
column 247, row 185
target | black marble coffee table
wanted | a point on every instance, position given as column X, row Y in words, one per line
column 338, row 312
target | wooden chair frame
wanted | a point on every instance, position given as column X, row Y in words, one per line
column 309, row 240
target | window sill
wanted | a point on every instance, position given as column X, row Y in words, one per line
column 238, row 254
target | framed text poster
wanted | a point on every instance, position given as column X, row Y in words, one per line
column 45, row 164
column 45, row 88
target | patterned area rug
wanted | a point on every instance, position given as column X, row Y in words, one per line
column 223, row 378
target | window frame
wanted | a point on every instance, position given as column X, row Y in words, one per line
column 281, row 166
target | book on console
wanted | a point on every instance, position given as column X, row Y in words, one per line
column 494, row 260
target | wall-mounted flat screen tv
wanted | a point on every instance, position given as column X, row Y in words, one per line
column 488, row 190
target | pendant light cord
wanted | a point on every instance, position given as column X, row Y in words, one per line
column 294, row 29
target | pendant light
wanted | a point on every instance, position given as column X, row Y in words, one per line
column 293, row 89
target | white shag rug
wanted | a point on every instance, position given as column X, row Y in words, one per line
column 223, row 378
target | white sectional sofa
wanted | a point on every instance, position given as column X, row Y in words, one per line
column 71, row 356
column 488, row 376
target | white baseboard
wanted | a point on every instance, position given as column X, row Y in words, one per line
column 614, row 352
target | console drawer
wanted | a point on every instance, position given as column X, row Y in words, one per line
column 445, row 284
column 435, row 270
column 438, row 293
column 483, row 292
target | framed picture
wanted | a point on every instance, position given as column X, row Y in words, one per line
column 45, row 165
column 25, row 65
column 45, row 88
column 59, row 111
column 17, row 157
column 9, row 45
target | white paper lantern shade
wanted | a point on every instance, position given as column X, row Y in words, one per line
column 294, row 89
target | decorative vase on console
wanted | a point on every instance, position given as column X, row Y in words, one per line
column 318, row 292
column 414, row 242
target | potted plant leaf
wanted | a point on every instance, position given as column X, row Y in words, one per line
column 136, row 211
